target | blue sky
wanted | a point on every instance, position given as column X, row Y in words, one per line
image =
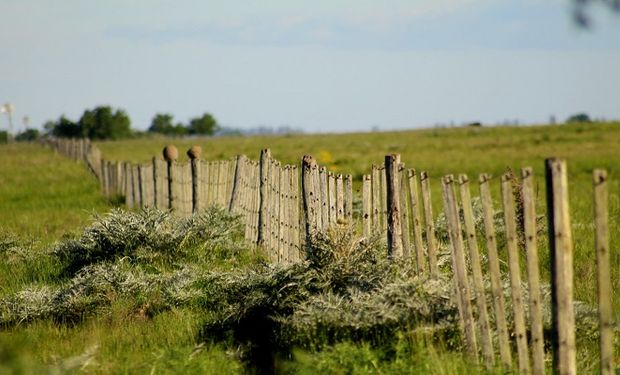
column 338, row 65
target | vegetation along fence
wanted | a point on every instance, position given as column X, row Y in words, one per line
column 283, row 206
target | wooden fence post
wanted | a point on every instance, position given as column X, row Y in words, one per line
column 561, row 247
column 605, row 294
column 324, row 196
column 376, row 198
column 239, row 190
column 194, row 156
column 308, row 168
column 496, row 282
column 515, row 272
column 265, row 157
column 474, row 257
column 129, row 195
column 414, row 202
column 394, row 228
column 348, row 199
column 459, row 267
column 332, row 194
column 404, row 213
column 295, row 217
column 533, row 274
column 431, row 240
column 170, row 155
column 366, row 205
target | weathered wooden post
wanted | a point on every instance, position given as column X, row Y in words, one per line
column 404, row 212
column 460, row 268
column 533, row 273
column 194, row 156
column 561, row 248
column 601, row 216
column 239, row 192
column 348, row 198
column 515, row 272
column 265, row 160
column 493, row 265
column 367, row 205
column 431, row 240
column 394, row 228
column 414, row 203
column 309, row 191
column 476, row 270
column 324, row 196
column 171, row 154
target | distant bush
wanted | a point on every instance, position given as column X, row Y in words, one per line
column 4, row 136
column 28, row 135
column 577, row 118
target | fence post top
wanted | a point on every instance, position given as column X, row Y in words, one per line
column 308, row 161
column 194, row 152
column 171, row 153
column 484, row 177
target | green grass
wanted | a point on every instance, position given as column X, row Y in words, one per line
column 44, row 195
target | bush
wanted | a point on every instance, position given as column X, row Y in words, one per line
column 578, row 118
column 4, row 136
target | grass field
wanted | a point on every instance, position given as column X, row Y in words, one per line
column 43, row 196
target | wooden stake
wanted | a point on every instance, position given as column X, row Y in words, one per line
column 474, row 257
column 533, row 274
column 460, row 268
column 394, row 228
column 605, row 294
column 561, row 247
column 431, row 240
column 494, row 274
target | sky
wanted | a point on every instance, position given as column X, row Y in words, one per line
column 320, row 65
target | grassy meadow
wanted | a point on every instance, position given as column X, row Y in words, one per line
column 158, row 327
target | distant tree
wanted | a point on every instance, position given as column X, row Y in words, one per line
column 4, row 136
column 204, row 125
column 28, row 135
column 162, row 123
column 578, row 117
column 66, row 128
column 104, row 123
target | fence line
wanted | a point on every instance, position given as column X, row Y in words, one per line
column 283, row 206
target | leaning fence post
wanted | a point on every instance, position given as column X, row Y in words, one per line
column 414, row 202
column 394, row 228
column 431, row 240
column 348, row 198
column 265, row 157
column 476, row 270
column 459, row 266
column 515, row 272
column 170, row 155
column 308, row 168
column 605, row 294
column 367, row 205
column 533, row 274
column 561, row 248
column 494, row 274
column 194, row 157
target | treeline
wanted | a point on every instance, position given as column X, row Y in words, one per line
column 104, row 122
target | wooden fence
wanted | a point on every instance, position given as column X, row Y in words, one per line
column 282, row 206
